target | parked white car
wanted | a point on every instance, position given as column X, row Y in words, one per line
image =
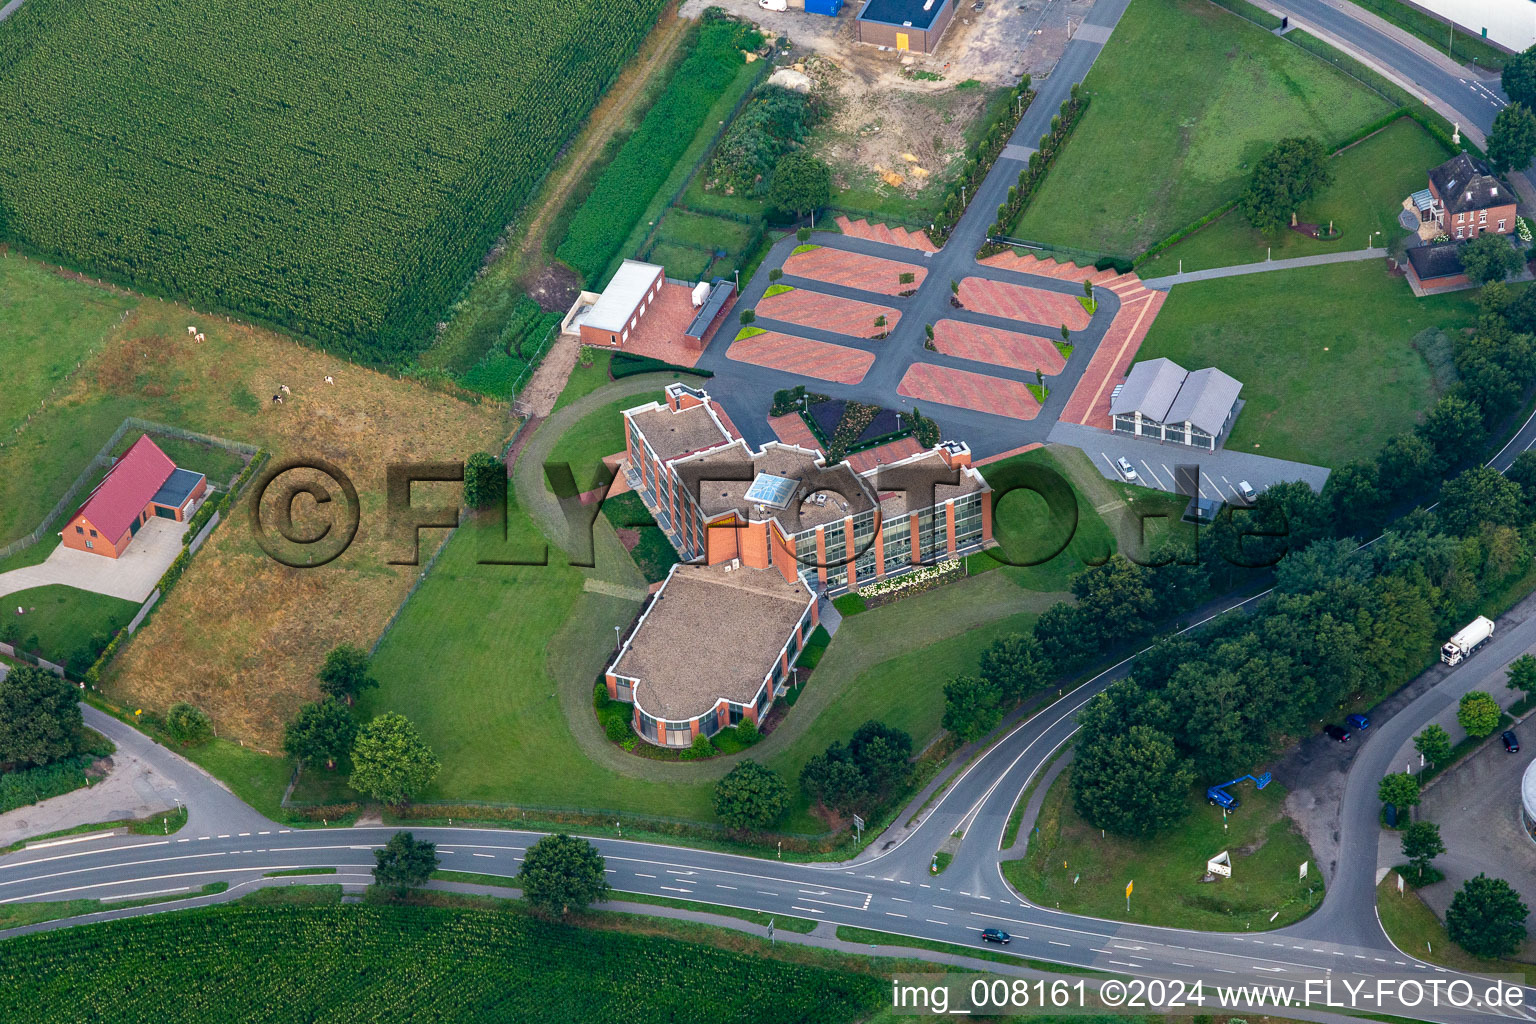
column 1246, row 490
column 773, row 5
column 1127, row 470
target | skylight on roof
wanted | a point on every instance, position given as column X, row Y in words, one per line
column 768, row 489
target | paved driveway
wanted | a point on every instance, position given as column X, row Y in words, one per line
column 131, row 577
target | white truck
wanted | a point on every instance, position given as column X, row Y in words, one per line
column 1468, row 639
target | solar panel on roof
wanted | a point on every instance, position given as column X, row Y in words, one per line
column 768, row 489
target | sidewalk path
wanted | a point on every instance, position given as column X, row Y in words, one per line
column 1353, row 256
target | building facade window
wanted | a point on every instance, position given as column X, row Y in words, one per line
column 647, row 727
column 80, row 529
column 967, row 520
column 896, row 542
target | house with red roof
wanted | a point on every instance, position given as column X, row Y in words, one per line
column 142, row 484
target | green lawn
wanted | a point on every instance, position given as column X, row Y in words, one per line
column 1167, row 140
column 1323, row 353
column 703, row 231
column 597, row 434
column 51, row 324
column 1370, row 181
column 219, row 465
column 1265, row 846
column 585, row 379
column 63, row 619
column 1040, row 515
column 1416, row 930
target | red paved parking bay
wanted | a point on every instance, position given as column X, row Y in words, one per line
column 929, row 383
column 803, row 356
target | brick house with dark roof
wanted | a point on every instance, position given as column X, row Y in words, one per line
column 1463, row 200
column 142, row 484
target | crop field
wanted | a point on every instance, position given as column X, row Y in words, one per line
column 644, row 163
column 357, row 963
column 195, row 153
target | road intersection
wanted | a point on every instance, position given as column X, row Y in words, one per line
column 889, row 887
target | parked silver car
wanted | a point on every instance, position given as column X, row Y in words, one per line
column 1127, row 470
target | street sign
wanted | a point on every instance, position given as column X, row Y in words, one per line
column 1128, row 887
column 858, row 822
column 1303, row 869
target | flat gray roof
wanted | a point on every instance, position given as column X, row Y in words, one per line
column 613, row 309
column 671, row 434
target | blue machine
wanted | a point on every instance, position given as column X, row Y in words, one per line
column 831, row 8
column 1219, row 796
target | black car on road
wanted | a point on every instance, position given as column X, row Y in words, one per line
column 1337, row 732
column 1511, row 742
column 996, row 935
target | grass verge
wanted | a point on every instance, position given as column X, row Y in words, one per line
column 1070, row 868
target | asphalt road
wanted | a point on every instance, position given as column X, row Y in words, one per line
column 888, row 888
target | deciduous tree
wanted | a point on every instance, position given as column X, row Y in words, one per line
column 801, row 183
column 321, row 731
column 1422, row 844
column 972, row 707
column 346, row 673
column 1479, row 495
column 404, row 863
column 485, row 480
column 750, row 797
column 188, row 724
column 1522, row 674
column 1519, row 78
column 1133, row 784
column 39, row 717
column 560, row 872
column 1512, row 143
column 1489, row 257
column 1434, row 743
column 1487, row 917
column 1478, row 713
column 1287, row 176
column 390, row 761
column 1399, row 789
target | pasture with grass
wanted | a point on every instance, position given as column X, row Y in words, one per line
column 1325, row 354
column 1166, row 141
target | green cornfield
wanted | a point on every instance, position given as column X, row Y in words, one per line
column 337, row 170
column 387, row 963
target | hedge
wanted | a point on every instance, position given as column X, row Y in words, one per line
column 631, row 181
column 625, row 364
column 28, row 786
column 974, row 171
column 1039, row 163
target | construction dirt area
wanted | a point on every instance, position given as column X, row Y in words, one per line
column 902, row 118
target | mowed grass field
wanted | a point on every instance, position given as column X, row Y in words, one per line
column 1370, row 181
column 1266, row 849
column 1167, row 140
column 63, row 620
column 496, row 663
column 210, row 171
column 241, row 636
column 1324, row 354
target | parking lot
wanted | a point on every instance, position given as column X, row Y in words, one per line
column 1156, row 463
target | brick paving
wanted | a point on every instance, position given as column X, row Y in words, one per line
column 1030, row 264
column 928, row 382
column 1089, row 404
column 660, row 332
column 791, row 429
column 854, row 270
column 894, row 451
column 993, row 345
column 1020, row 302
column 802, row 356
column 1000, row 456
column 828, row 312
column 890, row 236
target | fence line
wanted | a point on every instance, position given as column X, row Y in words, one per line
column 420, row 578
column 143, row 611
column 103, row 458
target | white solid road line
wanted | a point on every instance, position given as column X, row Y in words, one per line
column 141, row 895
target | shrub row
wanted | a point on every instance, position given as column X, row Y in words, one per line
column 975, row 169
column 620, row 197
column 626, row 364
column 1040, row 162
column 179, row 564
column 28, row 786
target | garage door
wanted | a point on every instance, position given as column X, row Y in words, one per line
column 165, row 513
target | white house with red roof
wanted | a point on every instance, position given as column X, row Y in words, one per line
column 142, row 483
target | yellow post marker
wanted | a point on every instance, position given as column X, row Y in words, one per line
column 1128, row 887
